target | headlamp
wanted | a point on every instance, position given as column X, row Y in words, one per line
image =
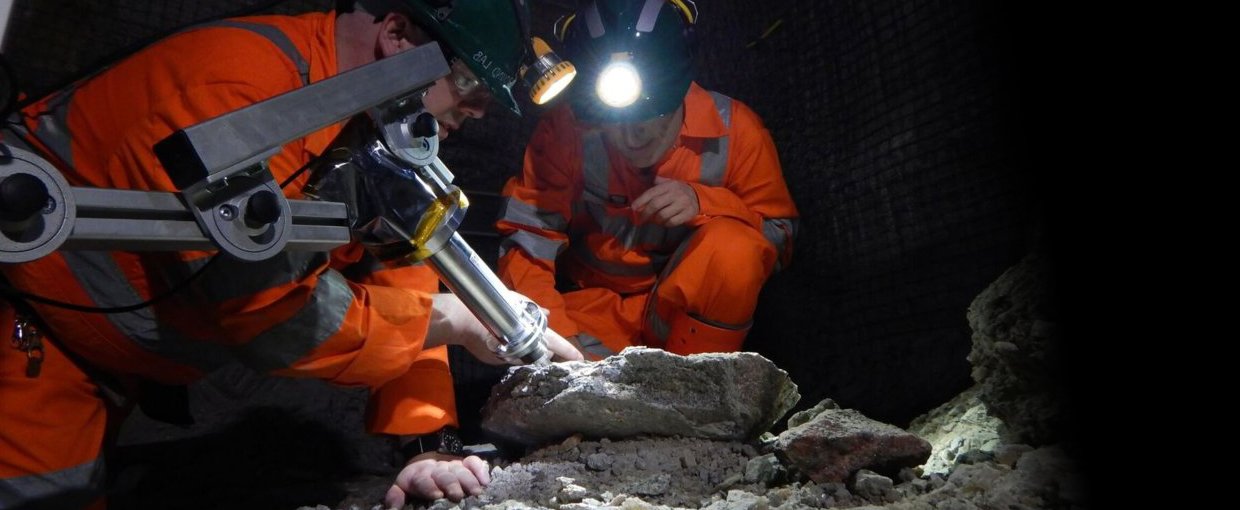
column 619, row 84
column 548, row 75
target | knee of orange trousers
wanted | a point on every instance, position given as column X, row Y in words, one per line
column 613, row 319
column 420, row 401
column 53, row 424
column 719, row 275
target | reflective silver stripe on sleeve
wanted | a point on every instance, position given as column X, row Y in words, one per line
column 273, row 34
column 15, row 122
column 228, row 278
column 318, row 319
column 658, row 325
column 723, row 105
column 289, row 341
column 648, row 235
column 516, row 211
column 74, row 487
column 595, row 167
column 537, row 246
column 53, row 127
column 715, row 150
column 107, row 286
column 615, row 226
column 779, row 231
column 593, row 345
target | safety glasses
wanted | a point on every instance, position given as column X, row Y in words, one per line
column 467, row 85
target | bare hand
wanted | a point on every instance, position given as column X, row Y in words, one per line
column 561, row 349
column 433, row 475
column 669, row 203
column 453, row 323
column 575, row 341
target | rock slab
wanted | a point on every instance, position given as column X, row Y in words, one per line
column 641, row 391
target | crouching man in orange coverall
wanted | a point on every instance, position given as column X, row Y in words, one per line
column 663, row 203
column 339, row 316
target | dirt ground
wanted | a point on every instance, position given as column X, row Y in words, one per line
column 674, row 473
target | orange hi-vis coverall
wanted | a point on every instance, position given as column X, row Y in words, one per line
column 687, row 289
column 340, row 316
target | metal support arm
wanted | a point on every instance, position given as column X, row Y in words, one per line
column 78, row 218
column 228, row 199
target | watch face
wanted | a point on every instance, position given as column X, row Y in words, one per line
column 449, row 442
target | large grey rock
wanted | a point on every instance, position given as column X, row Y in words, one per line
column 1015, row 353
column 956, row 427
column 641, row 391
column 838, row 442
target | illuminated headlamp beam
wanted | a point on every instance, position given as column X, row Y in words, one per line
column 619, row 84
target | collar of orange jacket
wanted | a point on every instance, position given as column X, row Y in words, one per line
column 701, row 118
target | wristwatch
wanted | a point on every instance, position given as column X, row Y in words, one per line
column 445, row 441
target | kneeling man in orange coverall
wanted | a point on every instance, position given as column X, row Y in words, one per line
column 663, row 203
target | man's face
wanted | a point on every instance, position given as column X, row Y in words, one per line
column 455, row 97
column 644, row 143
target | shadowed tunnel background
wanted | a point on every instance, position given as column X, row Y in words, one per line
column 913, row 135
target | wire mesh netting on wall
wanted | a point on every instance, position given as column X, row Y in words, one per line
column 897, row 124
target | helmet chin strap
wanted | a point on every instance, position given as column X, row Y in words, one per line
column 523, row 23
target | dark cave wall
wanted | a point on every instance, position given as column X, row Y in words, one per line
column 899, row 125
column 898, row 128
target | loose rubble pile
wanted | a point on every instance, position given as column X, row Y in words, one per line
column 646, row 429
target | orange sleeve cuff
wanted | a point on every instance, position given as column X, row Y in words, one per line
column 715, row 201
column 419, row 402
column 383, row 332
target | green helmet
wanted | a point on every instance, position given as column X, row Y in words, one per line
column 650, row 37
column 486, row 34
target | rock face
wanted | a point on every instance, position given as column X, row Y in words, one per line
column 1014, row 355
column 836, row 443
column 961, row 425
column 641, row 391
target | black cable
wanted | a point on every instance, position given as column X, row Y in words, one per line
column 300, row 171
column 10, row 291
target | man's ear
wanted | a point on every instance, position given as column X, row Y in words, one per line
column 395, row 34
